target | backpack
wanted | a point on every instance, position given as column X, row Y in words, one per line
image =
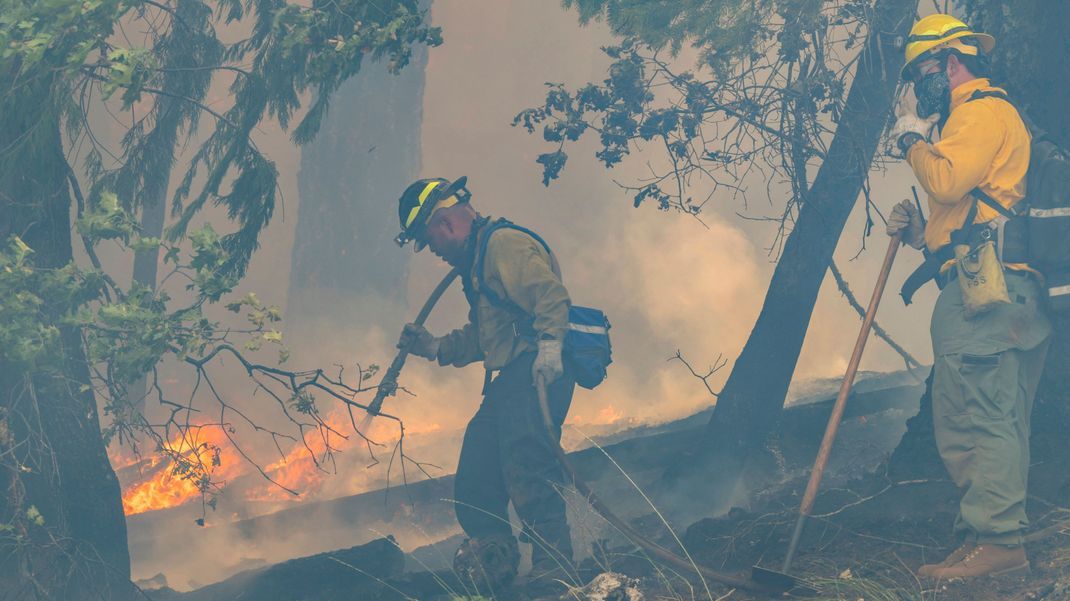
column 1037, row 230
column 587, row 351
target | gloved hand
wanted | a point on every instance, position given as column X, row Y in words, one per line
column 548, row 364
column 906, row 218
column 419, row 341
column 909, row 128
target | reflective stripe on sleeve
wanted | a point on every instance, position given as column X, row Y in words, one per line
column 588, row 329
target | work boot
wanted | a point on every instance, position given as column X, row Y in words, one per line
column 551, row 559
column 926, row 571
column 488, row 563
column 986, row 560
column 548, row 577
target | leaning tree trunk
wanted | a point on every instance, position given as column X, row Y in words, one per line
column 52, row 457
column 749, row 406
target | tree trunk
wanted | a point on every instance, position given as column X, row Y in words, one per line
column 367, row 151
column 749, row 406
column 153, row 206
column 54, row 459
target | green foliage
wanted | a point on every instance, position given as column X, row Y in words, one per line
column 107, row 221
column 768, row 89
column 130, row 334
column 54, row 33
column 211, row 278
column 128, row 69
column 262, row 318
column 293, row 50
column 55, row 52
column 30, row 300
column 726, row 31
column 58, row 58
column 34, row 515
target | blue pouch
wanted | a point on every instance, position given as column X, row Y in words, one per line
column 587, row 351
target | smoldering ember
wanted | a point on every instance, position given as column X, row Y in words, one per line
column 710, row 300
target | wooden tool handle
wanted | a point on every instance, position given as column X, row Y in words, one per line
column 841, row 400
column 848, row 379
column 389, row 384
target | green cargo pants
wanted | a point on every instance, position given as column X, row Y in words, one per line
column 985, row 375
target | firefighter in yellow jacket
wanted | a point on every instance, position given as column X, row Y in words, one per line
column 506, row 455
column 987, row 363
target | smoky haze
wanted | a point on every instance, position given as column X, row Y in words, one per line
column 667, row 281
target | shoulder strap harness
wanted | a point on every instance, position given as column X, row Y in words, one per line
column 930, row 268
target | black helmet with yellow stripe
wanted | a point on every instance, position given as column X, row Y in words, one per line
column 420, row 200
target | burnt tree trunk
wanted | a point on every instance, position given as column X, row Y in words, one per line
column 749, row 406
column 53, row 456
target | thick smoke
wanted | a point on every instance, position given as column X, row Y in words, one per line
column 668, row 281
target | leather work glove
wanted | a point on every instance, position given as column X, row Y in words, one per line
column 419, row 341
column 906, row 218
column 548, row 364
column 909, row 128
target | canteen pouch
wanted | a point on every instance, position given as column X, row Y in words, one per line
column 981, row 277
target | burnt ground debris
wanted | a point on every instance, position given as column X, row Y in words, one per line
column 881, row 515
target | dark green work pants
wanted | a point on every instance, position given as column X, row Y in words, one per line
column 508, row 456
column 985, row 375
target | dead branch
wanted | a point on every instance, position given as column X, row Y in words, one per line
column 718, row 363
column 881, row 333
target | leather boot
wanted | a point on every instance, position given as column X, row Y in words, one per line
column 926, row 570
column 488, row 562
column 986, row 560
column 551, row 560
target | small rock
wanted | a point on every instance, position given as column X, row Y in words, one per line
column 607, row 586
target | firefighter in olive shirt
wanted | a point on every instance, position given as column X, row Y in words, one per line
column 506, row 455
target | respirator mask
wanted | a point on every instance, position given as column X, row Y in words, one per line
column 933, row 92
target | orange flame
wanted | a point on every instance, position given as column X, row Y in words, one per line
column 166, row 486
column 183, row 481
column 298, row 470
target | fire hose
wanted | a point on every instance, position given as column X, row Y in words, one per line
column 389, row 384
column 657, row 551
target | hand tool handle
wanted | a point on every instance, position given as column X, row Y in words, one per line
column 841, row 401
column 657, row 551
column 389, row 384
column 917, row 203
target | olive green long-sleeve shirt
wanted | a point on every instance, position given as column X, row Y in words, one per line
column 521, row 272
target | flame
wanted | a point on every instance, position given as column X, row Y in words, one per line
column 302, row 469
column 609, row 415
column 182, row 482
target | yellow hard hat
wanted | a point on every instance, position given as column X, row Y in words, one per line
column 938, row 31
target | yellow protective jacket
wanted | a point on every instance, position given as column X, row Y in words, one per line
column 984, row 144
column 521, row 272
